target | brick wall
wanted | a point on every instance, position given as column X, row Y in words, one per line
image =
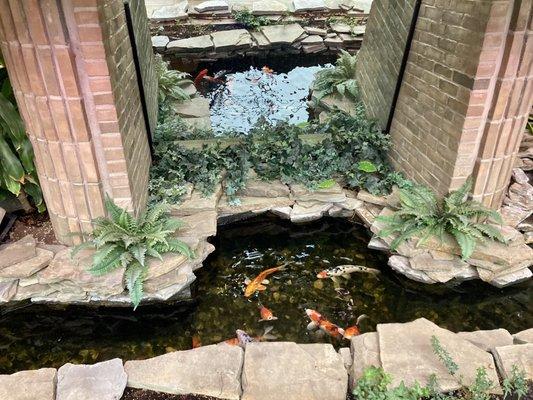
column 381, row 54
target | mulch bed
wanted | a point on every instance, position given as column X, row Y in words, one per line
column 36, row 224
column 139, row 394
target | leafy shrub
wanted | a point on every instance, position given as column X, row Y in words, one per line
column 18, row 176
column 338, row 79
column 422, row 214
column 123, row 241
column 249, row 20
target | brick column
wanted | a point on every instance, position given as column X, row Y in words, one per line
column 465, row 94
column 71, row 67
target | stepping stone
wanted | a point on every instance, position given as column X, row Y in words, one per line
column 488, row 340
column 523, row 336
column 282, row 34
column 21, row 250
column 102, row 381
column 178, row 11
column 210, row 371
column 197, row 44
column 231, row 40
column 212, row 5
column 268, row 7
column 407, row 355
column 365, row 350
column 309, row 5
column 37, row 384
column 29, row 267
column 520, row 355
column 160, row 42
column 290, row 371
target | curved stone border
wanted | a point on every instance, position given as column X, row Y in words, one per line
column 284, row 370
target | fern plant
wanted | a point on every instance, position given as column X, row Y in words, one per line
column 170, row 84
column 248, row 20
column 338, row 79
column 123, row 241
column 423, row 215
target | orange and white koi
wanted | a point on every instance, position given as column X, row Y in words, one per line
column 318, row 321
column 354, row 330
column 257, row 284
column 267, row 70
column 266, row 314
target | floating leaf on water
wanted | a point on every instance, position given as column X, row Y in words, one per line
column 318, row 284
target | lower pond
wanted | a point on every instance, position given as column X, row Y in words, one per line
column 35, row 336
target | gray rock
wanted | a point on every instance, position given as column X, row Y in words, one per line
column 401, row 264
column 29, row 267
column 358, row 30
column 21, row 250
column 103, row 381
column 309, row 5
column 512, row 278
column 313, row 40
column 268, row 7
column 519, row 355
column 377, row 244
column 211, row 371
column 37, row 384
column 340, row 27
column 346, row 355
column 282, row 212
column 36, row 290
column 363, row 5
column 311, row 30
column 520, row 176
column 290, row 371
column 333, row 194
column 169, row 262
column 489, row 339
column 197, row 44
column 407, row 354
column 198, row 202
column 8, row 289
column 258, row 188
column 234, row 39
column 309, row 211
column 251, row 204
column 197, row 107
column 282, row 34
column 212, row 5
column 365, row 350
column 523, row 336
column 160, row 42
column 2, row 214
column 363, row 195
column 201, row 225
column 172, row 12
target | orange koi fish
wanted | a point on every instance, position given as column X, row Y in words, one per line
column 257, row 284
column 318, row 321
column 200, row 77
column 267, row 70
column 354, row 330
column 196, row 342
column 266, row 314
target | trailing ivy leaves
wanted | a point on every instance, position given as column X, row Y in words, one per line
column 123, row 241
column 423, row 215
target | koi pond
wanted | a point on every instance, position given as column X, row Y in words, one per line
column 35, row 336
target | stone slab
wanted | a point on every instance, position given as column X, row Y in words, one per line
column 211, row 371
column 290, row 371
column 21, row 250
column 37, row 384
column 212, row 5
column 234, row 39
column 309, row 5
column 523, row 337
column 29, row 267
column 333, row 194
column 170, row 12
column 196, row 107
column 197, row 203
column 365, row 351
column 258, row 188
column 201, row 225
column 488, row 339
column 407, row 354
column 282, row 34
column 8, row 289
column 251, row 204
column 195, row 44
column 102, row 381
column 401, row 264
column 160, row 42
column 512, row 278
column 268, row 7
column 302, row 212
column 520, row 355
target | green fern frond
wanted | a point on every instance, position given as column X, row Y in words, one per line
column 466, row 242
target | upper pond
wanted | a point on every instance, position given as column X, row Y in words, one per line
column 38, row 336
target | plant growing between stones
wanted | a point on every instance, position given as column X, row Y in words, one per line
column 338, row 79
column 18, row 176
column 443, row 355
column 123, row 241
column 516, row 384
column 170, row 85
column 423, row 215
column 249, row 20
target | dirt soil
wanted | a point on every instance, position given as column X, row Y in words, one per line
column 138, row 394
column 35, row 224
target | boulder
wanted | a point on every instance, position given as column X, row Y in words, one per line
column 519, row 355
column 290, row 371
column 39, row 384
column 212, row 5
column 103, row 381
column 197, row 44
column 309, row 5
column 282, row 34
column 406, row 353
column 523, row 336
column 16, row 252
column 234, row 39
column 365, row 351
column 29, row 267
column 489, row 339
column 210, row 371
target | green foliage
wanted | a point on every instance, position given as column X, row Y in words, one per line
column 479, row 390
column 338, row 79
column 123, row 241
column 516, row 384
column 444, row 356
column 249, row 20
column 170, row 85
column 18, row 176
column 422, row 214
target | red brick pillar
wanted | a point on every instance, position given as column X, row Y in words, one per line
column 71, row 67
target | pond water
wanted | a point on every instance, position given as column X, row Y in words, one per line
column 274, row 89
column 38, row 336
